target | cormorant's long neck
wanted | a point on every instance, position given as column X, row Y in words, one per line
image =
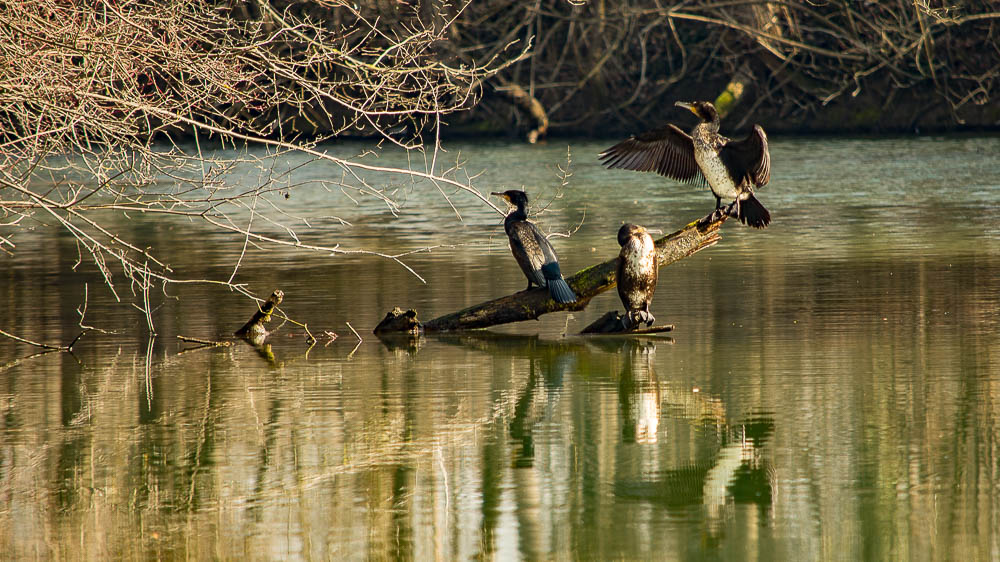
column 518, row 214
column 712, row 125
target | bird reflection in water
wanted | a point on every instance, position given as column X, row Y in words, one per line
column 538, row 402
column 735, row 469
column 639, row 393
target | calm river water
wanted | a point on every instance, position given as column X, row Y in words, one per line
column 831, row 390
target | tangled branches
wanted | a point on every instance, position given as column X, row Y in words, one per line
column 98, row 99
column 599, row 65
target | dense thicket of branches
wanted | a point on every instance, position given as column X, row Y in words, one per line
column 283, row 67
column 87, row 88
column 603, row 66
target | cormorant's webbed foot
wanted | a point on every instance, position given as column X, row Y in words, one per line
column 647, row 317
column 634, row 319
column 733, row 209
column 713, row 216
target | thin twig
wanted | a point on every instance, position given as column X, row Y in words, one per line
column 204, row 342
column 357, row 335
column 41, row 345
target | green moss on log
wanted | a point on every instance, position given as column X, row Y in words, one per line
column 587, row 283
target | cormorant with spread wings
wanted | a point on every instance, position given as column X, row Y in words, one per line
column 732, row 169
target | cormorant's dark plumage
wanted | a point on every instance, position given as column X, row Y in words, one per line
column 636, row 274
column 532, row 249
column 732, row 169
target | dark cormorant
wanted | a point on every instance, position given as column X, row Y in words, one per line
column 732, row 169
column 532, row 250
column 636, row 274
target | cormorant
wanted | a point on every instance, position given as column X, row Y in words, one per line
column 636, row 274
column 732, row 169
column 532, row 250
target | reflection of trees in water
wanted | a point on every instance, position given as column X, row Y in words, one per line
column 492, row 445
column 509, row 454
column 637, row 464
column 537, row 402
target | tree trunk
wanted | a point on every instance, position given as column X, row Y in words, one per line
column 531, row 107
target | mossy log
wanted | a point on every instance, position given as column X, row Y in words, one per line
column 587, row 284
column 254, row 330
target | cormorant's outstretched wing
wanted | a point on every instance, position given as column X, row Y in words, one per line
column 748, row 160
column 667, row 151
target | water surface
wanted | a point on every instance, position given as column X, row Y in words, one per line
column 831, row 390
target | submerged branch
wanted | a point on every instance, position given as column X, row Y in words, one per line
column 46, row 346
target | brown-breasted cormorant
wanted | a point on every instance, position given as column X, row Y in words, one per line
column 636, row 274
column 732, row 169
column 532, row 249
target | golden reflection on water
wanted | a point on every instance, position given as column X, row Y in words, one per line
column 473, row 445
column 831, row 392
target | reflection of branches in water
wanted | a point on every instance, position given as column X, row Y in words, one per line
column 14, row 363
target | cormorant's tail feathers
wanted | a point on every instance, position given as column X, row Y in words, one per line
column 558, row 288
column 560, row 292
column 752, row 213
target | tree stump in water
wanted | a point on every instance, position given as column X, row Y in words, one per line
column 254, row 330
column 530, row 304
column 397, row 321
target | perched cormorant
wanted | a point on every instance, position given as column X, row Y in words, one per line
column 532, row 249
column 636, row 274
column 732, row 169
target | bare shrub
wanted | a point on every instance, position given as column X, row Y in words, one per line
column 599, row 66
column 95, row 98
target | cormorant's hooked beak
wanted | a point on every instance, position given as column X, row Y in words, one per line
column 688, row 106
column 502, row 195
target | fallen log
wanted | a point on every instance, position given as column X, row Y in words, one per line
column 532, row 303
